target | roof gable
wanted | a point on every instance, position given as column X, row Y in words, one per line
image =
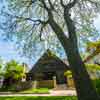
column 49, row 62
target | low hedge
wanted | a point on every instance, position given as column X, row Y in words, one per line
column 96, row 83
column 16, row 87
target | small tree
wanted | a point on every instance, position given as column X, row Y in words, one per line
column 13, row 70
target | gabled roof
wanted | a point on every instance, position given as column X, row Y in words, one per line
column 49, row 62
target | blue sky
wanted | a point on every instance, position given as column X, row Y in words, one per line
column 8, row 50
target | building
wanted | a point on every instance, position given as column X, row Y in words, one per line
column 49, row 71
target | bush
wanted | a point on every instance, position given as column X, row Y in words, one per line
column 16, row 87
column 97, row 85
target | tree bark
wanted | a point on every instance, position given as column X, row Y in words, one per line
column 84, row 87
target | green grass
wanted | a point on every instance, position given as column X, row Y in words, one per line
column 38, row 91
column 39, row 98
column 31, row 90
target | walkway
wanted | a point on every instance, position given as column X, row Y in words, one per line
column 52, row 93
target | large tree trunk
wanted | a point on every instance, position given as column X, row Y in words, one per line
column 84, row 87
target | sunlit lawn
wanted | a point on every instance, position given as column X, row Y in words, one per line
column 38, row 98
column 40, row 90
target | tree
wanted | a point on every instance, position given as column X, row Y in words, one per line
column 94, row 49
column 93, row 67
column 32, row 18
column 13, row 73
column 13, row 70
column 1, row 67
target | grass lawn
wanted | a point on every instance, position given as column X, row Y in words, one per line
column 39, row 98
column 38, row 91
column 31, row 90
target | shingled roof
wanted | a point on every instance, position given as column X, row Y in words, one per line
column 49, row 62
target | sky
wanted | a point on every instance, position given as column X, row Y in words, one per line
column 8, row 50
column 97, row 23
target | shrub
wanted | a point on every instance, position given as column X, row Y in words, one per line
column 97, row 85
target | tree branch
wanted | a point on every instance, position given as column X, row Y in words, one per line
column 27, row 18
column 92, row 2
column 69, row 22
column 51, row 5
column 71, row 4
column 41, row 30
column 44, row 5
column 55, row 27
column 62, row 4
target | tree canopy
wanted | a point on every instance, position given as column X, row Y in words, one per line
column 14, row 70
column 28, row 21
column 94, row 49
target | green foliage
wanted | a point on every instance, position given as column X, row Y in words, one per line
column 95, row 46
column 14, row 70
column 92, row 70
column 1, row 67
column 93, row 49
column 96, row 83
column 93, row 67
column 68, row 73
